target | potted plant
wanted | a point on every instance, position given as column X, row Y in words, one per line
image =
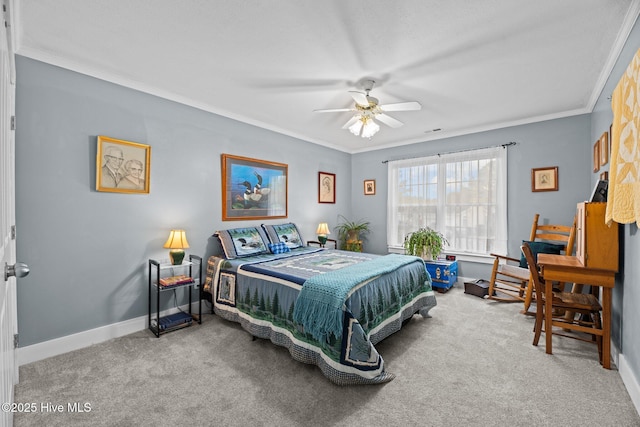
column 425, row 243
column 351, row 233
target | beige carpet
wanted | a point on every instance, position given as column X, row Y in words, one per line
column 471, row 364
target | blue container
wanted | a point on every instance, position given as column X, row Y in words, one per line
column 443, row 273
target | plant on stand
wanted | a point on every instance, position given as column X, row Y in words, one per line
column 351, row 233
column 425, row 243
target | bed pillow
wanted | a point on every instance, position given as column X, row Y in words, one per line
column 287, row 233
column 540, row 248
column 243, row 242
column 279, row 248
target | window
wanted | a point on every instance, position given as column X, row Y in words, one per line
column 463, row 195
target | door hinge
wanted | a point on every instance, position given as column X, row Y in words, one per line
column 13, row 232
column 16, row 340
column 13, row 122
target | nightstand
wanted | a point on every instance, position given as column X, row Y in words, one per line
column 315, row 242
column 165, row 277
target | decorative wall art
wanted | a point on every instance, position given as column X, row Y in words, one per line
column 369, row 187
column 604, row 149
column 326, row 187
column 544, row 179
column 253, row 189
column 596, row 156
column 122, row 166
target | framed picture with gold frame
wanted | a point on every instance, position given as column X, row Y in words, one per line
column 544, row 179
column 596, row 156
column 122, row 166
column 253, row 189
column 604, row 149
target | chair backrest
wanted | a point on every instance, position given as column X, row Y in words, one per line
column 563, row 234
column 533, row 271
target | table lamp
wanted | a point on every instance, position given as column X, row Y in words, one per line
column 177, row 241
column 322, row 232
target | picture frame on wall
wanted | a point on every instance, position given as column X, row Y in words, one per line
column 122, row 166
column 604, row 149
column 369, row 187
column 544, row 179
column 596, row 156
column 253, row 188
column 326, row 187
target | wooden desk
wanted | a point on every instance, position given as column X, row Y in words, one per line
column 565, row 268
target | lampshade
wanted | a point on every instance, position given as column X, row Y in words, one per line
column 177, row 241
column 323, row 229
column 370, row 128
column 356, row 127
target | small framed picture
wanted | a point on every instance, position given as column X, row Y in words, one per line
column 326, row 187
column 604, row 149
column 596, row 156
column 227, row 289
column 122, row 166
column 369, row 187
column 604, row 176
column 544, row 179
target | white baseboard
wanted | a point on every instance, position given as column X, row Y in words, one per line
column 630, row 381
column 55, row 347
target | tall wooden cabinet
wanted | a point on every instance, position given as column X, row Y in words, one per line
column 596, row 242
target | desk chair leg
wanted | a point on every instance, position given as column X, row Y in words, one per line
column 528, row 297
column 598, row 325
column 492, row 282
column 537, row 329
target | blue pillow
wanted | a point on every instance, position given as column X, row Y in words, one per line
column 287, row 233
column 243, row 242
column 540, row 248
column 279, row 248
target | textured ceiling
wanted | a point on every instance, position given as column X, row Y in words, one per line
column 473, row 65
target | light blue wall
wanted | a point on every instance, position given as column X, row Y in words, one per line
column 626, row 294
column 88, row 250
column 561, row 143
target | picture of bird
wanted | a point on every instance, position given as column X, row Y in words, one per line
column 254, row 193
column 249, row 186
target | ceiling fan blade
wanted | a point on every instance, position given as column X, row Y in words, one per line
column 401, row 106
column 389, row 121
column 334, row 110
column 350, row 122
column 360, row 98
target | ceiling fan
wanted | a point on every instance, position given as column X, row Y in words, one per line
column 367, row 109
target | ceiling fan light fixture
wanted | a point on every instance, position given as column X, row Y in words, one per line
column 356, row 127
column 366, row 108
column 364, row 126
column 370, row 128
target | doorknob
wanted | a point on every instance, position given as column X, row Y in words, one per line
column 19, row 269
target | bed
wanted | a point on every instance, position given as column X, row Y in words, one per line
column 327, row 307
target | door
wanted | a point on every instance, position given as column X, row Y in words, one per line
column 8, row 315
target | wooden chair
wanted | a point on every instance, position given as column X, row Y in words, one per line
column 510, row 277
column 585, row 304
